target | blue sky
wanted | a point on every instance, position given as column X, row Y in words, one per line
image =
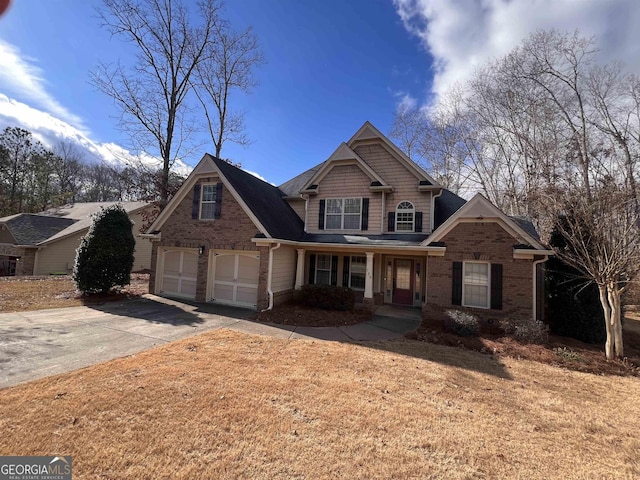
column 331, row 65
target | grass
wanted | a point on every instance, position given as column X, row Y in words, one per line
column 230, row 405
column 19, row 294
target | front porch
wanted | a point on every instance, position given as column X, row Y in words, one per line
column 377, row 277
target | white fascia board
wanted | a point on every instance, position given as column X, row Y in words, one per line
column 430, row 250
column 529, row 254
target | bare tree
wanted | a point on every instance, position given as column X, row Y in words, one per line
column 151, row 95
column 227, row 64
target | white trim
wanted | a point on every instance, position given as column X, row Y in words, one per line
column 342, row 214
column 464, row 267
column 430, row 250
column 529, row 254
column 315, row 271
column 412, row 210
column 496, row 217
column 432, row 218
column 214, row 203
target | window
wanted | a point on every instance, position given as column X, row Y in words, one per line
column 475, row 284
column 343, row 213
column 405, row 216
column 208, row 202
column 323, row 270
column 358, row 269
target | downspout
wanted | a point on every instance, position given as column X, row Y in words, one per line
column 269, row 291
column 382, row 215
column 535, row 285
column 432, row 221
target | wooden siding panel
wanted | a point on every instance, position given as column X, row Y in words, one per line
column 345, row 181
column 283, row 269
column 404, row 182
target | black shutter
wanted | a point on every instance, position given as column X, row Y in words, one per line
column 456, row 287
column 418, row 222
column 312, row 268
column 334, row 270
column 218, row 208
column 496, row 286
column 391, row 222
column 345, row 271
column 321, row 216
column 195, row 210
column 365, row 214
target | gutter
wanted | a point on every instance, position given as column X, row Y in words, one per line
column 269, row 291
column 433, row 208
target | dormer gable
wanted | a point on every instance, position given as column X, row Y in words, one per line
column 368, row 134
column 344, row 155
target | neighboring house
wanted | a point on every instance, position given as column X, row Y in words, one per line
column 45, row 243
column 368, row 218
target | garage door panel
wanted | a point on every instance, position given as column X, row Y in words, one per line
column 225, row 268
column 247, row 294
column 172, row 263
column 223, row 293
column 248, row 269
column 190, row 264
column 235, row 278
column 180, row 272
column 170, row 285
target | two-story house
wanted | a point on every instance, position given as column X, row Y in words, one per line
column 368, row 218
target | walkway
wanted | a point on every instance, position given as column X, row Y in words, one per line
column 46, row 342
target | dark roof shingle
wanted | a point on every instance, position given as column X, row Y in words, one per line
column 30, row 229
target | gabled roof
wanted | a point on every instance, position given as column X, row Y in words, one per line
column 82, row 214
column 263, row 203
column 291, row 188
column 342, row 156
column 31, row 229
column 45, row 227
column 482, row 209
column 368, row 132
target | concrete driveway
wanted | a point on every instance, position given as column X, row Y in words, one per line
column 46, row 342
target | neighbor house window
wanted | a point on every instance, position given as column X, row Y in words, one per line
column 358, row 269
column 343, row 214
column 323, row 270
column 475, row 284
column 405, row 217
column 208, row 202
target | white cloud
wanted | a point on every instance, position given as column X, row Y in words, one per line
column 460, row 35
column 51, row 130
column 24, row 79
column 257, row 175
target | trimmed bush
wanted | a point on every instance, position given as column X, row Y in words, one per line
column 104, row 258
column 462, row 323
column 327, row 297
column 526, row 329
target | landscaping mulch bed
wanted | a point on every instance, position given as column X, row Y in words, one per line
column 301, row 316
column 558, row 351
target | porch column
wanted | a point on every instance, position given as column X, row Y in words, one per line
column 368, row 277
column 300, row 269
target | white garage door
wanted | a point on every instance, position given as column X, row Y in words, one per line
column 180, row 273
column 235, row 278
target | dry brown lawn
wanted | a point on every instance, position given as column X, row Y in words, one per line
column 232, row 405
column 19, row 294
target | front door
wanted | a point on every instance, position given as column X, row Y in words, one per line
column 403, row 281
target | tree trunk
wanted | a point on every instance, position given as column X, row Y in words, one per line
column 611, row 306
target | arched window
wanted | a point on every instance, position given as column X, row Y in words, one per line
column 405, row 217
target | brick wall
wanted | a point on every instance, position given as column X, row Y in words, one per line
column 485, row 242
column 232, row 231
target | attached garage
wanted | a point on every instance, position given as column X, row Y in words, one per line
column 178, row 272
column 234, row 278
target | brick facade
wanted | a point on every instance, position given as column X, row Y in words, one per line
column 481, row 242
column 232, row 231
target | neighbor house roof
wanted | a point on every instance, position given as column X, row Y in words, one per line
column 82, row 214
column 59, row 222
column 265, row 201
column 31, row 229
